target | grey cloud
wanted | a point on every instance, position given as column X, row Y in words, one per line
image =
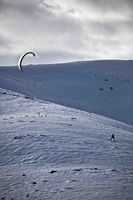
column 103, row 28
column 62, row 30
column 52, row 7
column 108, row 4
column 62, row 55
column 24, row 8
column 4, row 41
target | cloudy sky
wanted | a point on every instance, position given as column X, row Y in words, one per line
column 63, row 30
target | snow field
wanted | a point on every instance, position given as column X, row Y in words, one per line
column 48, row 151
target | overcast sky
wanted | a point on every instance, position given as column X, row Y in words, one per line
column 66, row 30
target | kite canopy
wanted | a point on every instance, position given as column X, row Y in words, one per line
column 21, row 59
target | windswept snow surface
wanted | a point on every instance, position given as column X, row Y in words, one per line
column 48, row 151
column 102, row 87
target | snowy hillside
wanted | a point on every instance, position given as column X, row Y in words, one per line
column 102, row 87
column 48, row 151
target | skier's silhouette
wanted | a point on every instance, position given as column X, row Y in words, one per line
column 112, row 137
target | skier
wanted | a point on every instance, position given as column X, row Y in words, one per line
column 112, row 137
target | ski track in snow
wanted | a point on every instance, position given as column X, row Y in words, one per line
column 48, row 151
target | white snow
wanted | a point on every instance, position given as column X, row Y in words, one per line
column 102, row 87
column 37, row 137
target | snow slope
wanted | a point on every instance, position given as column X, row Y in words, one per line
column 102, row 87
column 48, row 151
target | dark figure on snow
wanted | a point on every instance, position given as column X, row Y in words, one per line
column 112, row 137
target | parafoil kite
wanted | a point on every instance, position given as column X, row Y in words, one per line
column 21, row 59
